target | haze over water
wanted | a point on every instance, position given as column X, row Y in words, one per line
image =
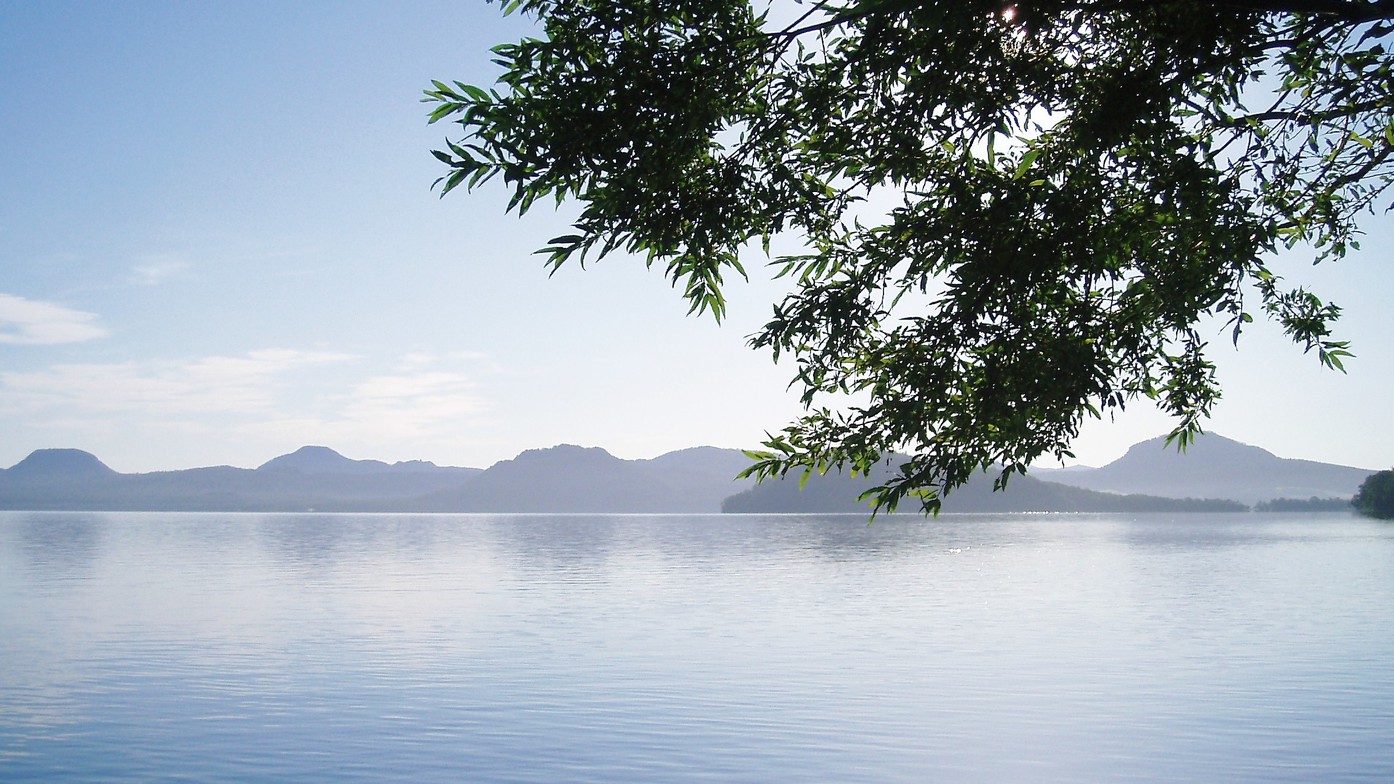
column 229, row 648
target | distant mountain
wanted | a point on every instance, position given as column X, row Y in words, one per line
column 570, row 478
column 1214, row 467
column 835, row 492
column 60, row 464
column 47, row 474
column 321, row 460
column 708, row 473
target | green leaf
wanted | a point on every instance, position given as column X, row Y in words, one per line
column 1026, row 161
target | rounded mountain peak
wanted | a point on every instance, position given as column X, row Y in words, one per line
column 60, row 463
column 320, row 460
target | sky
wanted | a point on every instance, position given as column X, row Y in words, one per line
column 219, row 242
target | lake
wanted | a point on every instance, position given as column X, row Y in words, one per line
column 1033, row 648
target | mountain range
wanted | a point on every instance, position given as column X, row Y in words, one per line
column 560, row 479
column 569, row 478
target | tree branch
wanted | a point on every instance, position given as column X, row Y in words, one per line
column 1345, row 10
column 1309, row 117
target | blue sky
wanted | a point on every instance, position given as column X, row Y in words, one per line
column 218, row 242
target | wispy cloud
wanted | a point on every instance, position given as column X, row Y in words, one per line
column 279, row 396
column 33, row 323
column 244, row 384
column 158, row 269
column 419, row 361
column 413, row 403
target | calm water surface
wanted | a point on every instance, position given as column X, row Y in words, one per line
column 307, row 648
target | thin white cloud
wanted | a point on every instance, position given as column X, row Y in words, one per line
column 32, row 323
column 416, row 411
column 278, row 397
column 247, row 384
column 413, row 362
column 414, row 403
column 158, row 270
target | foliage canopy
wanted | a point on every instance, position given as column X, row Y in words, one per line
column 1376, row 496
column 1013, row 216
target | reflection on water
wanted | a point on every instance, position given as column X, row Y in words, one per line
column 308, row 542
column 726, row 648
column 578, row 546
column 58, row 546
